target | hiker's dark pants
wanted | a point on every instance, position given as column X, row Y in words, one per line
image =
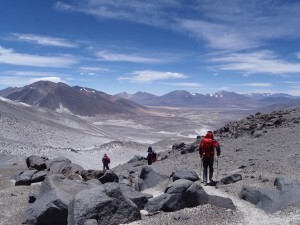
column 105, row 166
column 149, row 162
column 208, row 163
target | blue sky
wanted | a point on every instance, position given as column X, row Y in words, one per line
column 156, row 46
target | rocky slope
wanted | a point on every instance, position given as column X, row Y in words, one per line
column 258, row 147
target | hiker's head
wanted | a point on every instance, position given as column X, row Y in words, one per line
column 209, row 134
column 105, row 154
column 149, row 149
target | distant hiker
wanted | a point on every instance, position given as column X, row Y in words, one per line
column 198, row 139
column 207, row 155
column 151, row 157
column 105, row 161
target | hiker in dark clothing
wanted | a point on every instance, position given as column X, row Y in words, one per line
column 149, row 159
column 105, row 161
column 207, row 155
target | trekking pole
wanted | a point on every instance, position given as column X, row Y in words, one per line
column 217, row 168
column 201, row 169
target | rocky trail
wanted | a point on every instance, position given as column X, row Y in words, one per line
column 258, row 182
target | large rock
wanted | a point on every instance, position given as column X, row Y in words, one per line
column 91, row 174
column 71, row 168
column 185, row 194
column 140, row 199
column 271, row 200
column 109, row 176
column 188, row 175
column 136, row 158
column 148, row 178
column 51, row 204
column 106, row 204
column 38, row 176
column 233, row 178
column 58, row 164
column 36, row 162
column 178, row 195
column 178, row 186
column 24, row 177
column 221, row 202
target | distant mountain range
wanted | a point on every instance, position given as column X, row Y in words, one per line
column 222, row 99
column 89, row 102
column 76, row 100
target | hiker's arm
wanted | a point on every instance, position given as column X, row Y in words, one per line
column 200, row 151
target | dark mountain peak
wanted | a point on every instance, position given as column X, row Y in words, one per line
column 143, row 93
column 7, row 91
column 179, row 93
column 124, row 95
column 77, row 100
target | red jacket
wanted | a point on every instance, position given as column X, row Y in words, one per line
column 208, row 145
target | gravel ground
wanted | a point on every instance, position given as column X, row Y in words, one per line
column 13, row 199
column 259, row 160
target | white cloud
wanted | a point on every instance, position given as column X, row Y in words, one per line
column 188, row 85
column 219, row 36
column 9, row 56
column 291, row 82
column 235, row 25
column 147, row 12
column 256, row 62
column 53, row 79
column 17, row 81
column 149, row 76
column 45, row 40
column 117, row 57
column 257, row 84
column 87, row 69
column 33, row 73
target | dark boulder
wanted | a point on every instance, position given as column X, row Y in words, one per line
column 185, row 194
column 51, row 204
column 91, row 174
column 71, row 168
column 36, row 162
column 178, row 195
column 221, row 202
column 140, row 199
column 188, row 175
column 38, row 176
column 271, row 200
column 24, row 177
column 149, row 178
column 58, row 164
column 106, row 204
column 136, row 158
column 231, row 179
column 109, row 176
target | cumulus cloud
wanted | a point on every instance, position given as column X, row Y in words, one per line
column 149, row 76
column 119, row 57
column 257, row 84
column 17, row 81
column 9, row 56
column 266, row 62
column 188, row 85
column 90, row 69
column 236, row 25
column 45, row 40
column 32, row 73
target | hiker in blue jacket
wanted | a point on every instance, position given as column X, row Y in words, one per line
column 149, row 155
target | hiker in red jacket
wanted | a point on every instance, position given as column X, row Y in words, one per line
column 207, row 155
column 105, row 161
